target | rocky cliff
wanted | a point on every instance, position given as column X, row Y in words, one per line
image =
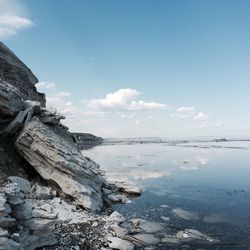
column 17, row 74
column 48, row 189
column 33, row 142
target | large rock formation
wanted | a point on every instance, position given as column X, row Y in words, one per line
column 58, row 160
column 16, row 73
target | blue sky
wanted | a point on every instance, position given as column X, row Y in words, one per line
column 138, row 67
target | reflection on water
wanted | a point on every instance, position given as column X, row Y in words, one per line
column 198, row 186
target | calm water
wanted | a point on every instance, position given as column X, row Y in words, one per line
column 211, row 181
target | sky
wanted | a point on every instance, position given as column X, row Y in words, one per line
column 133, row 68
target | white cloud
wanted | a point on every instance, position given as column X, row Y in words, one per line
column 190, row 113
column 200, row 117
column 12, row 18
column 185, row 109
column 124, row 99
column 45, row 85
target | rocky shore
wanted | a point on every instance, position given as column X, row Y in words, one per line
column 50, row 194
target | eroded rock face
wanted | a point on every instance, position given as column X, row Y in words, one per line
column 16, row 73
column 58, row 160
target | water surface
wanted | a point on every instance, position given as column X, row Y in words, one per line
column 198, row 185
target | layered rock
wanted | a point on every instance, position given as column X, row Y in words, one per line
column 16, row 73
column 58, row 160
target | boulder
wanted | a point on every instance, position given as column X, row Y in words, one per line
column 58, row 160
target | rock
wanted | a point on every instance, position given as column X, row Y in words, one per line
column 7, row 222
column 18, row 122
column 23, row 211
column 214, row 218
column 42, row 192
column 2, row 202
column 8, row 244
column 115, row 216
column 35, row 105
column 85, row 140
column 184, row 214
column 192, row 234
column 118, row 198
column 12, row 192
column 52, row 120
column 10, row 101
column 22, row 183
column 117, row 243
column 146, row 226
column 16, row 73
column 166, row 219
column 119, row 231
column 107, row 191
column 127, row 187
column 170, row 239
column 59, row 161
column 3, row 232
column 149, row 239
column 42, row 213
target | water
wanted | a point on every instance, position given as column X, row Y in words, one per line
column 209, row 181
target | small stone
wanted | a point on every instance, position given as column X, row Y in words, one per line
column 95, row 224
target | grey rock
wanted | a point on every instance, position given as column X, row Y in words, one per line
column 23, row 184
column 8, row 244
column 7, row 222
column 86, row 140
column 170, row 239
column 23, row 211
column 117, row 217
column 119, row 231
column 58, row 160
column 16, row 73
column 3, row 232
column 146, row 226
column 12, row 191
column 52, row 120
column 10, row 100
column 18, row 122
column 149, row 239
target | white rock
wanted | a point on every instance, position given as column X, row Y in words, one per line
column 119, row 231
column 117, row 243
